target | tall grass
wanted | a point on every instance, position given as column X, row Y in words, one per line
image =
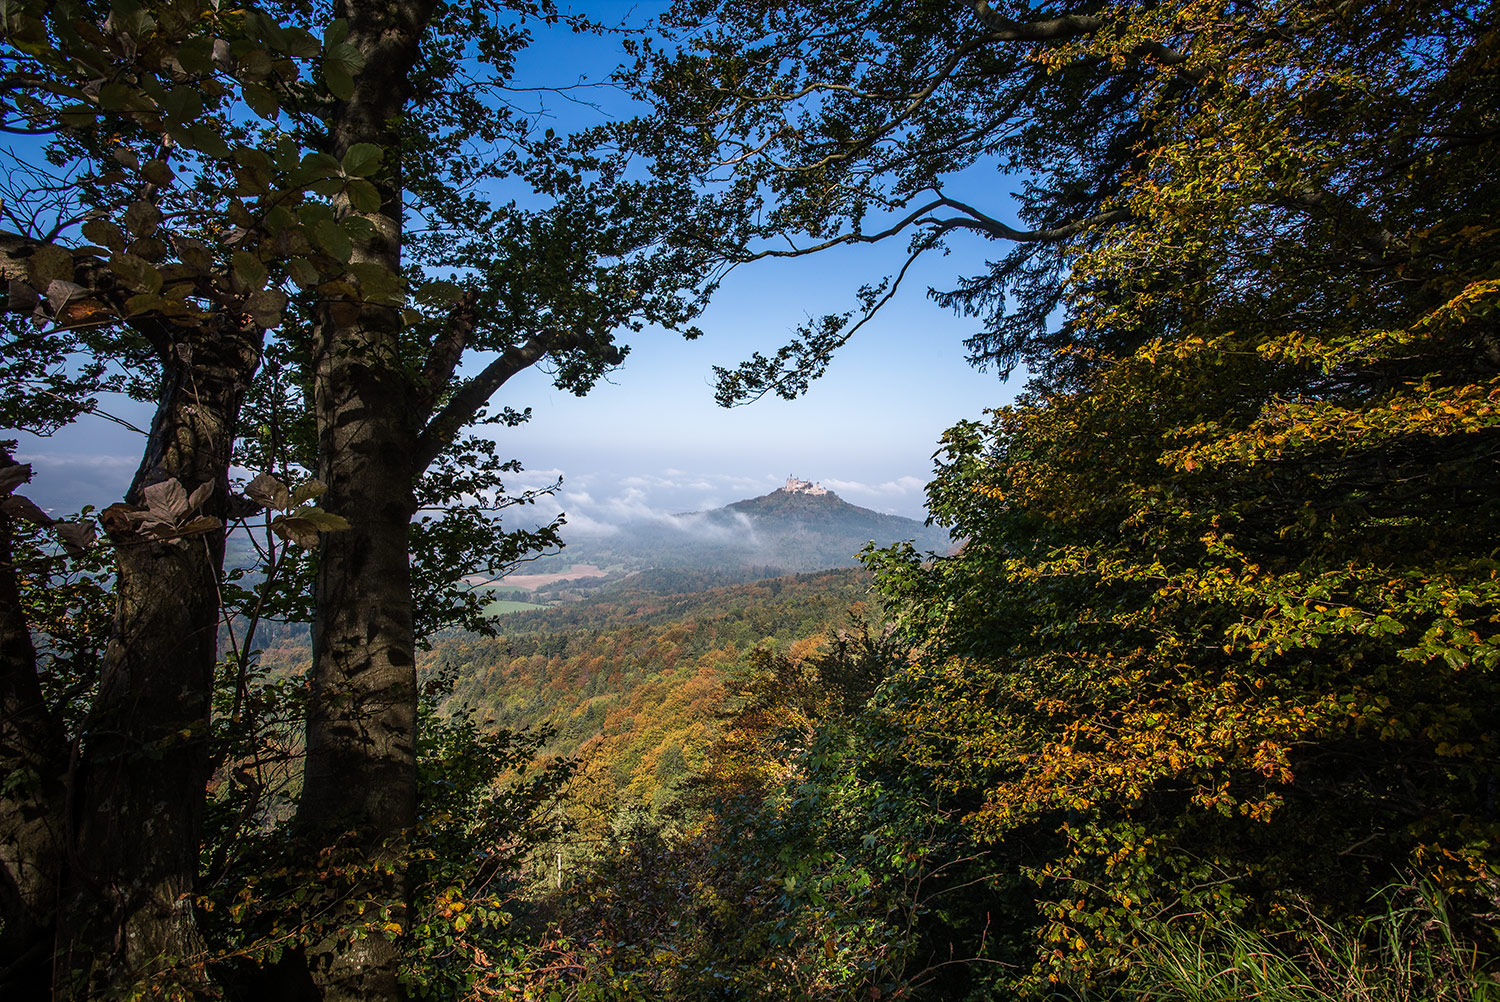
column 1410, row 953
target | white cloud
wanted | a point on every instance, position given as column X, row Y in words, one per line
column 679, row 480
column 581, row 524
column 901, row 486
column 68, row 481
column 672, row 498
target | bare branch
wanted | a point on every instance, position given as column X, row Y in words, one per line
column 997, row 230
column 1051, row 29
column 472, row 396
column 446, row 351
column 977, row 221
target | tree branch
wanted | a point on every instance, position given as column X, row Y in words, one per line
column 1051, row 29
column 979, row 221
column 1065, row 27
column 997, row 230
column 446, row 351
column 472, row 396
column 1377, row 241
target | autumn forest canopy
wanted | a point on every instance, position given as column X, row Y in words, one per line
column 1200, row 702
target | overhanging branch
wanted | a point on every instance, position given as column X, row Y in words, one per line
column 976, row 220
column 446, row 351
column 472, row 396
column 1050, row 29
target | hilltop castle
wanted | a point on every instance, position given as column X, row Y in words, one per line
column 795, row 486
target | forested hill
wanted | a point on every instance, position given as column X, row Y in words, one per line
column 792, row 512
column 782, row 532
column 634, row 679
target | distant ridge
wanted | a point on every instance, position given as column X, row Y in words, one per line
column 796, row 528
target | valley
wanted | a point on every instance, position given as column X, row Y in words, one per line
column 791, row 530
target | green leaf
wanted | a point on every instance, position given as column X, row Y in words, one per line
column 315, row 165
column 302, row 526
column 299, row 43
column 253, row 160
column 438, row 293
column 196, row 55
column 278, row 219
column 303, row 272
column 104, row 233
column 336, row 32
column 114, row 96
column 184, row 102
column 261, row 101
column 363, row 159
column 362, row 195
column 267, row 307
column 326, row 521
column 249, row 271
column 255, row 64
column 144, row 302
column 48, row 263
column 136, row 272
column 358, row 227
column 308, row 490
column 376, row 282
column 265, row 29
column 340, row 82
column 332, row 240
column 150, row 248
column 79, row 116
column 141, row 219
column 157, row 172
column 340, row 64
column 207, row 139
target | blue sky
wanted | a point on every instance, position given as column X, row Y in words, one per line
column 651, row 437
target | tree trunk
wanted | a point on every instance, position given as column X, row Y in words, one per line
column 360, row 777
column 128, row 914
column 360, row 780
column 33, row 764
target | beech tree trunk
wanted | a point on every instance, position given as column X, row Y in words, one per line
column 33, row 767
column 360, row 779
column 128, row 909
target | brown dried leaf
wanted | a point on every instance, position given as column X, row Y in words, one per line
column 200, row 495
column 76, row 537
column 23, row 298
column 85, row 312
column 61, row 293
column 296, row 530
column 121, row 517
column 308, row 490
column 166, row 500
column 267, row 490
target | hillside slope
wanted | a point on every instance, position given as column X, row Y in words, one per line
column 634, row 680
column 783, row 532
